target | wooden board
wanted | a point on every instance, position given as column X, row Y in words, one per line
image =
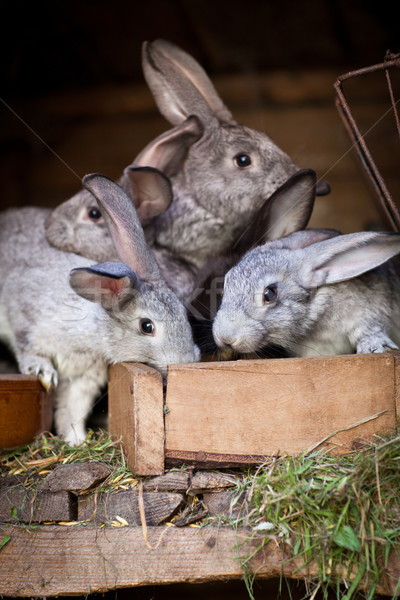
column 226, row 413
column 252, row 409
column 57, row 560
column 135, row 412
column 25, row 410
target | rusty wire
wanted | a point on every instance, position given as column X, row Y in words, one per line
column 390, row 209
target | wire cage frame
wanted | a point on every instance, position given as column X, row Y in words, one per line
column 389, row 209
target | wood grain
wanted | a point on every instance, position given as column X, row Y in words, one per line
column 56, row 560
column 25, row 410
column 19, row 504
column 264, row 407
column 136, row 415
column 158, row 507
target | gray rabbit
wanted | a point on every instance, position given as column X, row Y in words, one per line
column 287, row 210
column 66, row 319
column 314, row 296
column 77, row 225
column 221, row 172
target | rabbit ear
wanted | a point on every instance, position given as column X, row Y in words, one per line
column 168, row 151
column 110, row 284
column 302, row 239
column 322, row 188
column 151, row 191
column 287, row 210
column 180, row 85
column 125, row 228
column 346, row 256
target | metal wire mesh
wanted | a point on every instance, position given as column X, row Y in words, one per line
column 388, row 204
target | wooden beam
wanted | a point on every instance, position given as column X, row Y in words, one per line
column 228, row 411
column 136, row 416
column 57, row 560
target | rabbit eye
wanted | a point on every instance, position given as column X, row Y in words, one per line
column 94, row 214
column 147, row 326
column 270, row 294
column 242, row 160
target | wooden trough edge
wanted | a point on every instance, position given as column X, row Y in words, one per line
column 26, row 409
column 57, row 560
column 240, row 412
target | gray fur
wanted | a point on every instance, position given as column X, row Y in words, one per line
column 70, row 228
column 68, row 341
column 214, row 199
column 335, row 296
column 287, row 210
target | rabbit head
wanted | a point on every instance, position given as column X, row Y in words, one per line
column 287, row 292
column 156, row 329
column 287, row 210
column 78, row 225
column 228, row 170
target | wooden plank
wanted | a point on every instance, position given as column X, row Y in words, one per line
column 75, row 477
column 263, row 407
column 158, row 507
column 136, row 415
column 56, row 560
column 17, row 504
column 25, row 410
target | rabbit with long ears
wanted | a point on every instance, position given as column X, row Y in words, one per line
column 77, row 225
column 66, row 319
column 287, row 210
column 221, row 172
column 314, row 296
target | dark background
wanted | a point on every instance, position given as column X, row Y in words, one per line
column 57, row 45
column 73, row 99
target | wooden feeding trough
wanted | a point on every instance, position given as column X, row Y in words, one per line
column 233, row 413
column 26, row 410
column 212, row 415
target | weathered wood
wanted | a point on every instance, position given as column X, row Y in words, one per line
column 101, row 508
column 17, row 504
column 26, row 410
column 225, row 503
column 264, row 407
column 191, row 514
column 136, row 415
column 227, row 413
column 56, row 560
column 173, row 481
column 76, row 477
column 209, row 481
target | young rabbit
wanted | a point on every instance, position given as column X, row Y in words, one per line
column 77, row 225
column 66, row 319
column 221, row 172
column 287, row 210
column 313, row 297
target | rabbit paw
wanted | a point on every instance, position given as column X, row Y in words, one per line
column 41, row 368
column 376, row 346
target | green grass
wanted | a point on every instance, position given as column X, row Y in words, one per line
column 339, row 513
column 342, row 513
column 33, row 462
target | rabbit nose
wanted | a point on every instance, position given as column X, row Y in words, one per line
column 225, row 342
